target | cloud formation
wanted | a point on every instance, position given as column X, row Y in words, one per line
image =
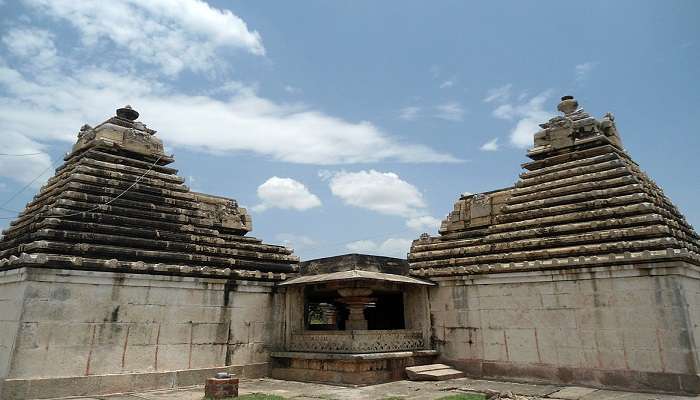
column 34, row 168
column 32, row 44
column 582, row 71
column 451, row 111
column 392, row 247
column 423, row 223
column 499, row 94
column 295, row 241
column 409, row 113
column 287, row 194
column 46, row 95
column 528, row 115
column 447, row 84
column 383, row 192
column 491, row 145
column 175, row 35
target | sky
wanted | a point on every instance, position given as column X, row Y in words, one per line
column 347, row 126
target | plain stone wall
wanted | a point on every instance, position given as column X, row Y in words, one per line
column 614, row 326
column 81, row 323
column 11, row 294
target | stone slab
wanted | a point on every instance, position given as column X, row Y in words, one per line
column 435, row 372
column 429, row 367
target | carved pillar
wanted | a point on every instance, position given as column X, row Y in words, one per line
column 356, row 299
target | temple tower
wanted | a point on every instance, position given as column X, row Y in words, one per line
column 117, row 277
column 582, row 272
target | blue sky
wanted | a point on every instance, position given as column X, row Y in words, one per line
column 348, row 126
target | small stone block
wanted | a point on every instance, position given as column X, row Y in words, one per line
column 216, row 388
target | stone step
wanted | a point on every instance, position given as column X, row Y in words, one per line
column 433, row 372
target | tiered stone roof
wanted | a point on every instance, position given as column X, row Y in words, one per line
column 115, row 205
column 581, row 202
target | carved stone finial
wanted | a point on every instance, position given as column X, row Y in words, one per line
column 127, row 112
column 568, row 105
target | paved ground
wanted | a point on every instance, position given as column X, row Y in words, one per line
column 403, row 389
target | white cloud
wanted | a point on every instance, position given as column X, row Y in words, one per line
column 285, row 193
column 52, row 106
column 499, row 94
column 529, row 115
column 409, row 113
column 451, row 111
column 447, row 84
column 292, row 90
column 582, row 71
column 491, row 145
column 383, row 192
column 392, row 247
column 35, row 168
column 295, row 241
column 423, row 223
column 173, row 34
column 32, row 44
column 40, row 106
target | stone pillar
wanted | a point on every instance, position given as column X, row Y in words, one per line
column 356, row 299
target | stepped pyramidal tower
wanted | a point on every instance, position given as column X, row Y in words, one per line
column 115, row 205
column 116, row 277
column 583, row 271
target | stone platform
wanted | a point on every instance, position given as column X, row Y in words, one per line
column 347, row 369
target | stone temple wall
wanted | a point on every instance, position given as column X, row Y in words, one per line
column 615, row 327
column 85, row 324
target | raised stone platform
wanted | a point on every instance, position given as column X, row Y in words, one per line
column 347, row 369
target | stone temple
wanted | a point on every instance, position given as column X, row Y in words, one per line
column 116, row 277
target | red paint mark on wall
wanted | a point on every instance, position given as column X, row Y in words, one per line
column 157, row 343
column 661, row 351
column 189, row 358
column 126, row 343
column 92, row 344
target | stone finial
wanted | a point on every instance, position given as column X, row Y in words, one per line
column 127, row 112
column 568, row 105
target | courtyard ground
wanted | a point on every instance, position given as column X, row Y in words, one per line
column 399, row 390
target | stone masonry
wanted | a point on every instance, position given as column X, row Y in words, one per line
column 584, row 271
column 117, row 277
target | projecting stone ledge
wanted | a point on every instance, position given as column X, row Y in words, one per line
column 53, row 261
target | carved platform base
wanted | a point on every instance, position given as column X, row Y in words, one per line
column 347, row 369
